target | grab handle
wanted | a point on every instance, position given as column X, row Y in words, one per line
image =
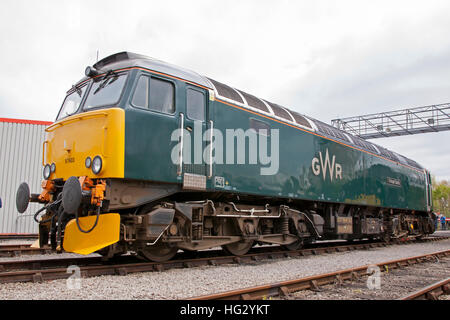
column 180, row 165
column 43, row 151
column 210, row 149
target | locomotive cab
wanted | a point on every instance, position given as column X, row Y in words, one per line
column 87, row 183
column 83, row 148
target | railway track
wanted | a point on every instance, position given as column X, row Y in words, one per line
column 431, row 292
column 285, row 288
column 15, row 250
column 50, row 269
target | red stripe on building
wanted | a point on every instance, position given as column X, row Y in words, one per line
column 10, row 120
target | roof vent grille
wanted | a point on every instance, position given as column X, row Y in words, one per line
column 254, row 102
column 226, row 91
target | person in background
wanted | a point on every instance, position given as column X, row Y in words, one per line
column 443, row 222
column 436, row 220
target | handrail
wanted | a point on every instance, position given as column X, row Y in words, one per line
column 181, row 139
column 43, row 151
column 210, row 149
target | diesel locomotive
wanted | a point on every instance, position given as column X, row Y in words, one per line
column 148, row 157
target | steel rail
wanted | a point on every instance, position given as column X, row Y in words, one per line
column 47, row 271
column 39, row 264
column 51, row 273
column 14, row 250
column 16, row 246
column 284, row 288
column 22, row 249
column 27, row 264
column 264, row 252
column 25, row 249
column 431, row 292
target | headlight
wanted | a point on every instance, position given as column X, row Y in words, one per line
column 53, row 167
column 88, row 162
column 90, row 72
column 97, row 164
column 47, row 171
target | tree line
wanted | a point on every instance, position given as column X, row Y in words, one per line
column 441, row 196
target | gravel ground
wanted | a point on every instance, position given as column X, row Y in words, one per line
column 184, row 283
column 442, row 233
column 394, row 284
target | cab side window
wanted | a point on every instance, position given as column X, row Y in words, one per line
column 162, row 94
column 195, row 105
column 154, row 94
column 141, row 94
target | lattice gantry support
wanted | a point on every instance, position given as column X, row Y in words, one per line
column 432, row 118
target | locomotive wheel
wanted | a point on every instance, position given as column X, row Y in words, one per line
column 159, row 252
column 293, row 246
column 238, row 248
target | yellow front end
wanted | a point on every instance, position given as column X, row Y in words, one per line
column 96, row 133
column 68, row 143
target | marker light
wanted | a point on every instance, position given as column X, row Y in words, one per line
column 97, row 164
column 88, row 162
column 47, row 171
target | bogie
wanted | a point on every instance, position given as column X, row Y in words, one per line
column 200, row 225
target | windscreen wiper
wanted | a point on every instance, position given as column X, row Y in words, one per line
column 105, row 79
column 77, row 89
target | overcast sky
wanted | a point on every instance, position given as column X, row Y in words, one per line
column 325, row 59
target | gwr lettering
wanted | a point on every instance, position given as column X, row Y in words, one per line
column 322, row 165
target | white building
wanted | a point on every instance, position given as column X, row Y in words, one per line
column 20, row 160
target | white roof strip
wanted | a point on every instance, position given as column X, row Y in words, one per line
column 376, row 148
column 350, row 139
column 286, row 120
column 311, row 123
column 293, row 119
column 271, row 112
column 245, row 104
column 211, row 85
column 268, row 106
column 242, row 97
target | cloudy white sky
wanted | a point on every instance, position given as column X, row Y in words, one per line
column 326, row 59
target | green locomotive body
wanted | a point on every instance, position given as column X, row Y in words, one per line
column 190, row 163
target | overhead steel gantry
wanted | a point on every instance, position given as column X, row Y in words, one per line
column 432, row 118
